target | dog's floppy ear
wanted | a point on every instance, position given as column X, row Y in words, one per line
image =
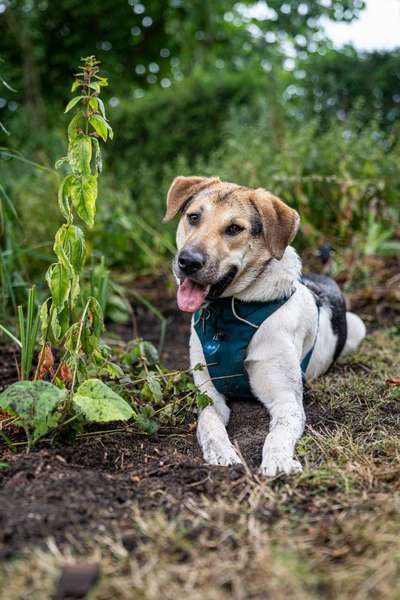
column 181, row 190
column 280, row 222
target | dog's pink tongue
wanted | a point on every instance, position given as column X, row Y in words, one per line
column 191, row 295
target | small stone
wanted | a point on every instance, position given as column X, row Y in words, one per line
column 76, row 580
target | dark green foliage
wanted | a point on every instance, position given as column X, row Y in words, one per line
column 187, row 120
column 341, row 81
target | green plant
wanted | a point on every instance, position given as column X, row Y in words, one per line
column 69, row 320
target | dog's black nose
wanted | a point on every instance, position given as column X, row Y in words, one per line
column 191, row 260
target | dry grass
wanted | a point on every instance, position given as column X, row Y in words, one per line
column 331, row 532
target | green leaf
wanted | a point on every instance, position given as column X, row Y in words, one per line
column 69, row 247
column 60, row 162
column 95, row 86
column 58, row 281
column 64, row 193
column 73, row 102
column 202, row 400
column 55, row 324
column 80, row 155
column 144, row 420
column 100, row 404
column 112, row 370
column 94, row 326
column 155, row 387
column 94, row 103
column 76, row 125
column 44, row 320
column 101, row 107
column 76, row 85
column 36, row 404
column 97, row 155
column 84, row 194
column 100, row 126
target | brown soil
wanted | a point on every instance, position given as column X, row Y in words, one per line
column 76, row 493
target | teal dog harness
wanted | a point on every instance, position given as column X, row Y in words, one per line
column 225, row 328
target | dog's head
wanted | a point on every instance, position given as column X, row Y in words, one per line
column 225, row 237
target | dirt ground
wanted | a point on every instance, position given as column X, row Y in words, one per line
column 106, row 493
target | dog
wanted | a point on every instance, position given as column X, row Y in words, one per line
column 259, row 326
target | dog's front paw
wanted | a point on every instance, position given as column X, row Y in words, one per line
column 217, row 453
column 280, row 463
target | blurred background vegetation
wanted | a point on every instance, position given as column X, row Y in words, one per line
column 251, row 91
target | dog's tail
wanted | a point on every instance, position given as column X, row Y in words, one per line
column 356, row 331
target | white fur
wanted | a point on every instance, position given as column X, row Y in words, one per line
column 273, row 365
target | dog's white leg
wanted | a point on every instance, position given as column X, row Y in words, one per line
column 211, row 428
column 287, row 426
column 277, row 384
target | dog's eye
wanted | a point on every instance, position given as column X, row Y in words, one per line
column 193, row 218
column 233, row 229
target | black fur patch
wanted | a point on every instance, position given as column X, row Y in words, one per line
column 256, row 222
column 328, row 293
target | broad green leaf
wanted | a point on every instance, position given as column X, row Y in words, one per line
column 59, row 284
column 76, row 125
column 84, row 194
column 36, row 404
column 80, row 154
column 73, row 102
column 100, row 404
column 76, row 85
column 100, row 126
column 69, row 247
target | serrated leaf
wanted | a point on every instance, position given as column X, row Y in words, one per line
column 100, row 404
column 84, row 194
column 154, row 386
column 145, row 421
column 58, row 281
column 112, row 370
column 36, row 404
column 69, row 247
column 100, row 126
column 80, row 154
column 73, row 102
